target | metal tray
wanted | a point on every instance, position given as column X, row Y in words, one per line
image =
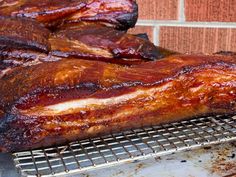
column 112, row 149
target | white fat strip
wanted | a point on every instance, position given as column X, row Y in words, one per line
column 74, row 106
column 83, row 103
column 90, row 102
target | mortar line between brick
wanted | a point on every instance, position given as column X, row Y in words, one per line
column 186, row 24
column 156, row 32
column 181, row 11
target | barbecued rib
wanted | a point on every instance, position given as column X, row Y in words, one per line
column 80, row 98
column 121, row 14
column 96, row 42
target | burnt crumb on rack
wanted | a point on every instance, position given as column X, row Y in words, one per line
column 232, row 156
column 136, row 161
column 171, row 158
column 157, row 158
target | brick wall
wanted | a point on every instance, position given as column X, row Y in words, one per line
column 189, row 26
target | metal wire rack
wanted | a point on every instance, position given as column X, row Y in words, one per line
column 126, row 146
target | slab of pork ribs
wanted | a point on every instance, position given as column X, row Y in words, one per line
column 57, row 83
column 56, row 102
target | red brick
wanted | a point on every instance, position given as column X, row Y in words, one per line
column 198, row 40
column 158, row 9
column 143, row 29
column 210, row 10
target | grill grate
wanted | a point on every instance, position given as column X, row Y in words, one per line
column 130, row 145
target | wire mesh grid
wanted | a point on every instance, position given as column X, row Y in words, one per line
column 126, row 146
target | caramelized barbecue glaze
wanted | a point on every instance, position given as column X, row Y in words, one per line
column 121, row 14
column 81, row 99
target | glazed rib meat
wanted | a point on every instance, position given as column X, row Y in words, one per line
column 81, row 99
column 121, row 14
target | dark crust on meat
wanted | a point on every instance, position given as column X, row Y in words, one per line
column 189, row 86
column 14, row 33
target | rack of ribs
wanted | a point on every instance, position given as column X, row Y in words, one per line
column 120, row 14
column 81, row 98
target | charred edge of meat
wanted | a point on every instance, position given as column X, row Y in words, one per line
column 142, row 35
column 226, row 53
column 128, row 20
